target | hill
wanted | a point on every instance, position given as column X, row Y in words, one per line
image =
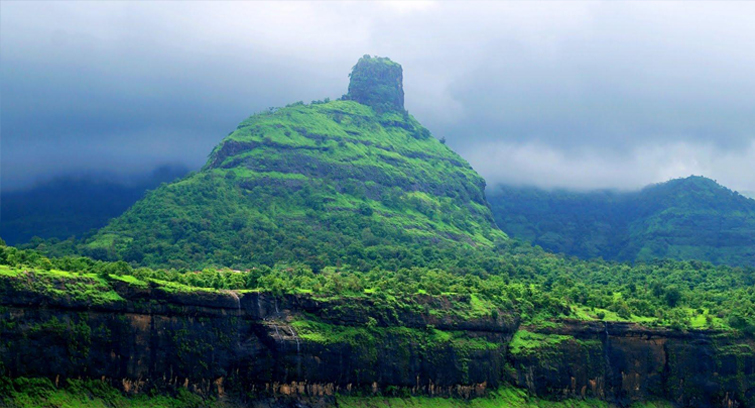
column 73, row 206
column 346, row 181
column 691, row 218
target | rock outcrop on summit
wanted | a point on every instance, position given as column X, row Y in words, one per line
column 378, row 83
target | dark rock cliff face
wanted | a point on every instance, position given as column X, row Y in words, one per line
column 377, row 82
column 624, row 363
column 259, row 344
column 215, row 343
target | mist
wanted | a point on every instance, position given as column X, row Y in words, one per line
column 577, row 95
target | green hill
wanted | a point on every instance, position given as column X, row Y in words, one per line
column 691, row 218
column 346, row 181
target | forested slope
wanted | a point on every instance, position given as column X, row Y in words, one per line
column 691, row 218
column 334, row 181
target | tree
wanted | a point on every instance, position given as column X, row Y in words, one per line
column 673, row 296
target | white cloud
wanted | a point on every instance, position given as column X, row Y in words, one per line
column 546, row 167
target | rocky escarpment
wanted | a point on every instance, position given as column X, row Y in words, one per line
column 255, row 344
column 625, row 362
column 377, row 82
column 216, row 343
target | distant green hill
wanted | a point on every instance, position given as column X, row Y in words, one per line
column 346, row 181
column 73, row 206
column 691, row 218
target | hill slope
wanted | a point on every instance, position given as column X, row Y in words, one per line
column 692, row 218
column 343, row 181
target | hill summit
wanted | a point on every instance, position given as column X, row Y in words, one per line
column 378, row 83
column 688, row 218
column 337, row 182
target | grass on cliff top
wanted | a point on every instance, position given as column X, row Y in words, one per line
column 56, row 284
column 370, row 337
column 525, row 342
column 506, row 397
column 586, row 313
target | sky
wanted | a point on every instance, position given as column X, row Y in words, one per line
column 578, row 95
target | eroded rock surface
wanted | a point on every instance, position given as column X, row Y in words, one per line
column 221, row 343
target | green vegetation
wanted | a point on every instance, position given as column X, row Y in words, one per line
column 370, row 338
column 686, row 219
column 354, row 203
column 540, row 287
column 506, row 397
column 525, row 342
column 40, row 392
column 85, row 288
column 347, row 199
column 326, row 184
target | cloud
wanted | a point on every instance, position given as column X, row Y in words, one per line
column 588, row 90
column 589, row 168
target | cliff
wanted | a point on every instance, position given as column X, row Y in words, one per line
column 145, row 338
column 625, row 362
column 155, row 339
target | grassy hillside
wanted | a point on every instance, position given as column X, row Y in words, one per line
column 692, row 218
column 326, row 183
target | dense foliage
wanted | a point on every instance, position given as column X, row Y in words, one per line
column 692, row 218
column 327, row 184
column 540, row 286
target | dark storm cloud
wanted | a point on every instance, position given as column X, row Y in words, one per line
column 568, row 94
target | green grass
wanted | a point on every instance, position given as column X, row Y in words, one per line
column 34, row 393
column 586, row 313
column 505, row 397
column 308, row 181
column 525, row 342
column 371, row 338
column 37, row 392
column 56, row 284
column 131, row 280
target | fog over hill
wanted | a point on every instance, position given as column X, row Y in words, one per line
column 574, row 95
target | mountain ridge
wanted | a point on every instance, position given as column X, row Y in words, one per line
column 691, row 218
